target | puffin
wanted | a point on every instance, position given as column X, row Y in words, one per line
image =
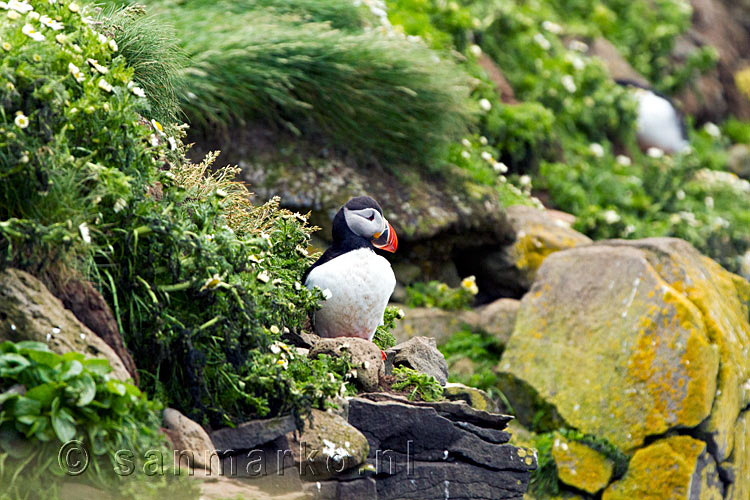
column 356, row 282
column 659, row 123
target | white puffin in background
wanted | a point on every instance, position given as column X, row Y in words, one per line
column 659, row 124
column 356, row 281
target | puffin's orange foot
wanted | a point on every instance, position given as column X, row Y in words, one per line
column 382, row 353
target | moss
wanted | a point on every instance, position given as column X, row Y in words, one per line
column 581, row 466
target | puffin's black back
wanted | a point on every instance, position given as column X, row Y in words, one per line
column 344, row 239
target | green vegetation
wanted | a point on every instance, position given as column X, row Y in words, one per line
column 417, row 384
column 383, row 337
column 484, row 353
column 440, row 295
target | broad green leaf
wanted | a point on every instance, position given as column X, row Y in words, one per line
column 71, row 369
column 64, row 428
column 46, row 358
column 12, row 363
column 116, row 387
column 43, row 393
column 97, row 366
column 83, row 388
column 31, row 345
column 26, row 406
column 74, row 356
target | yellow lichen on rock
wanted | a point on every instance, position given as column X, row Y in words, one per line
column 675, row 468
column 738, row 464
column 581, row 466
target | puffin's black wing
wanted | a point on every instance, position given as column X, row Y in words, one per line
column 329, row 254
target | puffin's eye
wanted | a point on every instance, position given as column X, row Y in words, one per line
column 371, row 217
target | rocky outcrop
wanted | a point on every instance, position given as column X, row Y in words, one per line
column 630, row 341
column 453, row 451
column 580, row 466
column 28, row 311
column 476, row 398
column 189, row 440
column 420, row 354
column 619, row 68
column 365, row 358
column 509, row 271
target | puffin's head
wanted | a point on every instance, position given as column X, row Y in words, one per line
column 364, row 217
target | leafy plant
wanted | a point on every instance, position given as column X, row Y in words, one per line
column 383, row 337
column 440, row 295
column 417, row 384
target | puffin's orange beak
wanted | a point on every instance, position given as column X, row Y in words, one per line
column 387, row 240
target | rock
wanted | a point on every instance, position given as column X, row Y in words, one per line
column 92, row 310
column 620, row 352
column 739, row 160
column 190, row 441
column 498, row 318
column 496, row 76
column 28, row 311
column 737, row 467
column 678, row 467
column 302, row 340
column 359, row 489
column 581, row 466
column 509, row 271
column 365, row 356
column 222, row 488
column 420, row 354
column 619, row 68
column 433, row 322
column 476, row 398
column 252, row 434
column 327, row 446
column 435, row 217
column 430, row 450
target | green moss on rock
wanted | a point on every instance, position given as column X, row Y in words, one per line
column 581, row 466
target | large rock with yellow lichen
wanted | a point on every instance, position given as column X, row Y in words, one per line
column 580, row 466
column 510, row 270
column 678, row 467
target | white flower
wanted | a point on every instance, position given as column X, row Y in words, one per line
column 552, row 27
column 712, row 130
column 3, row 6
column 32, row 16
column 465, row 155
column 327, row 294
column 486, row 156
column 73, row 7
column 680, row 194
column 13, row 15
column 400, row 314
column 610, row 216
column 102, row 39
column 578, row 46
column 22, row 7
column 275, row 330
column 264, row 277
column 524, row 180
column 485, row 104
column 32, row 33
column 569, row 83
column 577, row 62
column 211, row 283
column 113, row 45
column 500, row 167
column 21, row 120
column 475, row 50
column 104, row 85
column 60, row 38
column 95, row 64
column 629, row 229
column 172, row 143
column 157, row 126
column 596, row 149
column 153, row 140
column 135, row 89
column 51, row 23
column 470, row 283
column 542, row 42
column 302, row 250
column 466, row 143
column 483, row 140
column 119, row 205
column 84, row 230
column 76, row 72
column 655, row 152
column 624, row 160
column 709, row 202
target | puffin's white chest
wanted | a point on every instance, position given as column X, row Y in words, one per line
column 658, row 123
column 360, row 283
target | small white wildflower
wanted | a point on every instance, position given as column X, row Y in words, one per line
column 21, row 120
column 84, row 230
column 22, row 7
column 466, row 143
column 470, row 283
column 13, row 15
column 500, row 167
column 327, row 294
column 275, row 329
column 76, row 48
column 576, row 61
column 7, row 46
column 475, row 50
column 624, row 160
column 524, row 180
column 578, row 46
column 104, row 85
column 113, row 45
column 596, row 149
column 552, row 27
column 157, row 126
column 275, row 348
column 302, row 250
column 611, row 217
column 119, row 205
column 102, row 39
column 76, row 72
column 485, row 104
column 680, row 194
column 3, row 6
column 98, row 67
column 297, row 286
column 655, row 152
column 32, row 33
column 569, row 84
column 73, row 7
column 483, row 140
column 709, row 202
column 136, row 89
column 153, row 140
column 629, row 229
column 712, row 130
column 264, row 276
column 32, row 16
column 51, row 23
column 60, row 38
column 542, row 42
column 465, row 155
column 486, row 156
column 172, row 143
column 221, row 193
